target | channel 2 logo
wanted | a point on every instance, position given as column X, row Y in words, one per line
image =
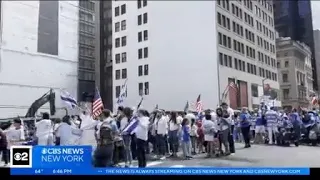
column 21, row 156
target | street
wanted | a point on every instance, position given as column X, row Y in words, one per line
column 256, row 156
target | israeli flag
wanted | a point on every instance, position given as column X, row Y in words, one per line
column 68, row 99
column 129, row 129
column 123, row 94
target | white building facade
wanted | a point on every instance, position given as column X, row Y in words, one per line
column 247, row 53
column 167, row 51
column 28, row 66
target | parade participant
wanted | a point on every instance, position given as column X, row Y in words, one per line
column 200, row 139
column 186, row 141
column 209, row 130
column 245, row 126
column 67, row 134
column 224, row 131
column 105, row 135
column 271, row 118
column 193, row 135
column 3, row 147
column 44, row 130
column 141, row 133
column 237, row 132
column 126, row 115
column 161, row 130
column 174, row 126
column 253, row 120
column 15, row 134
column 260, row 129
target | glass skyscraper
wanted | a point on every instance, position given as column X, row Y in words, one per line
column 293, row 18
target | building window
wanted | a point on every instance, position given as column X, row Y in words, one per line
column 286, row 64
column 123, row 25
column 124, row 57
column 139, row 36
column 139, row 19
column 117, row 58
column 118, row 89
column 140, row 89
column 146, row 88
column 117, row 11
column 124, row 73
column 145, row 52
column 140, row 71
column 140, row 54
column 145, row 35
column 284, row 77
column 146, row 69
column 48, row 30
column 118, row 74
column 124, row 41
column 254, row 90
column 145, row 3
column 145, row 18
column 117, row 27
column 139, row 4
column 117, row 43
column 285, row 93
column 123, row 9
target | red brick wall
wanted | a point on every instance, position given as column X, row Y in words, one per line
column 232, row 96
column 243, row 87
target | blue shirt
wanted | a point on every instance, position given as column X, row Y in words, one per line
column 186, row 133
column 244, row 120
column 259, row 121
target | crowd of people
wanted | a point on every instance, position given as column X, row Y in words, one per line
column 139, row 135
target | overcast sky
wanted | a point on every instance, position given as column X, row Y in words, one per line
column 316, row 14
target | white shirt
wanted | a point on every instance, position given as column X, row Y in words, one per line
column 14, row 135
column 175, row 126
column 142, row 129
column 123, row 123
column 68, row 135
column 162, row 126
column 44, row 128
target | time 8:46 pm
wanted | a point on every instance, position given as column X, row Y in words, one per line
column 61, row 171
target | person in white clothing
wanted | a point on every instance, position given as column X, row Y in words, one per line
column 174, row 127
column 67, row 134
column 209, row 129
column 141, row 133
column 161, row 125
column 44, row 130
column 125, row 116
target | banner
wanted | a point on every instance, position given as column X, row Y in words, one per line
column 51, row 156
column 160, row 171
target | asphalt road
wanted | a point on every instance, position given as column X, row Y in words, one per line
column 256, row 156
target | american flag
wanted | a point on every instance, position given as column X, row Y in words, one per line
column 97, row 105
column 233, row 86
column 199, row 104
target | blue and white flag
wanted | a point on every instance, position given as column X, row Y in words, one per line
column 123, row 94
column 129, row 129
column 68, row 99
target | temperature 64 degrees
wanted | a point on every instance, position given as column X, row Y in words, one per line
column 38, row 171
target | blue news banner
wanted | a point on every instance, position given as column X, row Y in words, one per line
column 77, row 160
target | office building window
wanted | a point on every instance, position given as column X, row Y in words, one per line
column 140, row 71
column 254, row 90
column 124, row 73
column 284, row 77
column 145, row 18
column 285, row 93
column 146, row 88
column 123, row 25
column 145, row 35
column 117, row 42
column 140, row 53
column 139, row 36
column 140, row 89
column 118, row 89
column 117, row 11
column 139, row 19
column 145, row 3
column 124, row 41
column 124, row 57
column 117, row 27
column 123, row 9
column 145, row 52
column 48, row 27
column 146, row 69
column 139, row 4
column 117, row 57
column 118, row 74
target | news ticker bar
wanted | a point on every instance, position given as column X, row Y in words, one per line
column 161, row 171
